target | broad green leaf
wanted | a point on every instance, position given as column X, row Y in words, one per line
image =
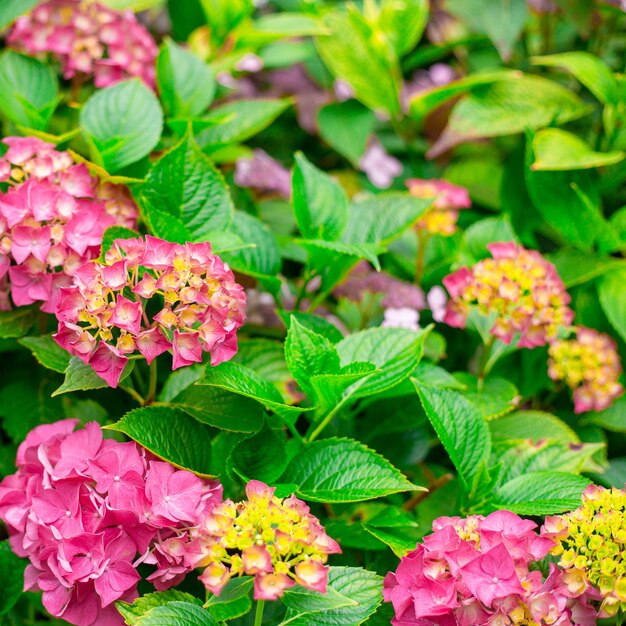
column 351, row 46
column 509, row 107
column 435, row 376
column 493, row 398
column 81, row 377
column 317, row 324
column 305, row 600
column 319, row 202
column 461, row 429
column 476, row 237
column 587, row 68
column 263, row 456
column 346, row 127
column 556, row 149
column 308, row 354
column 403, row 22
column 612, row 419
column 186, row 83
column 343, row 470
column 28, row 90
column 223, row 16
column 396, row 352
column 383, row 217
column 614, row 475
column 220, row 409
column 246, row 119
column 262, row 259
column 179, row 380
column 501, row 20
column 613, row 299
column 359, row 585
column 541, row 493
column 186, row 187
column 233, row 601
column 16, row 323
column 11, row 577
column 10, row 9
column 47, row 352
column 170, row 434
column 330, row 389
column 272, row 27
column 395, row 528
column 532, row 425
column 177, row 614
column 322, row 254
column 426, row 101
column 575, row 267
column 132, row 613
column 242, row 380
column 122, row 124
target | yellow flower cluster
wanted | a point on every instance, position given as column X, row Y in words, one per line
column 591, row 543
column 277, row 541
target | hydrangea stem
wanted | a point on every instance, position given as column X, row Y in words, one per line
column 258, row 616
column 152, row 383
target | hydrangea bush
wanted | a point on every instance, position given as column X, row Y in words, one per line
column 312, row 313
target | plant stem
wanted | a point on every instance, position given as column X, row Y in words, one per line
column 152, row 383
column 484, row 359
column 134, row 394
column 320, row 427
column 422, row 240
column 258, row 616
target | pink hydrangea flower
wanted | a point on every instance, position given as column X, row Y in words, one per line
column 379, row 166
column 52, row 218
column 148, row 297
column 89, row 40
column 590, row 365
column 479, row 571
column 86, row 511
column 263, row 173
column 518, row 287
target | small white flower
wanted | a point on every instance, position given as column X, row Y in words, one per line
column 401, row 318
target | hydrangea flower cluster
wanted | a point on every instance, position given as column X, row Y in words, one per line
column 150, row 296
column 52, row 218
column 519, row 287
column 590, row 365
column 277, row 541
column 441, row 217
column 88, row 39
column 87, row 511
column 591, row 544
column 480, row 570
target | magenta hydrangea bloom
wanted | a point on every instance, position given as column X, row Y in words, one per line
column 86, row 511
column 89, row 40
column 109, row 313
column 481, row 570
column 52, row 218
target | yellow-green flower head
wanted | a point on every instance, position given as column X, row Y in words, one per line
column 591, row 543
column 589, row 365
column 277, row 541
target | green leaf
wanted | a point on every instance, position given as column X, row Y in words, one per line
column 246, row 119
column 17, row 322
column 317, row 324
column 359, row 585
column 322, row 254
column 177, row 614
column 308, row 354
column 275, row 26
column 395, row 351
column 305, row 600
column 613, row 299
column 532, row 425
column 346, row 127
column 395, row 528
column 330, row 389
column 11, row 577
column 343, row 470
column 403, row 22
column 319, row 202
column 383, row 217
column 133, row 612
column 352, row 46
column 587, row 68
column 220, row 409
column 10, row 9
column 461, row 429
column 223, row 16
column 47, row 352
column 557, row 149
column 184, row 188
column 575, row 267
column 242, row 380
column 28, row 89
column 81, row 377
column 233, row 601
column 612, row 419
column 185, row 82
column 541, row 493
column 111, row 234
column 509, row 107
column 501, row 20
column 170, row 434
column 493, row 398
column 476, row 237
column 262, row 456
column 122, row 123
